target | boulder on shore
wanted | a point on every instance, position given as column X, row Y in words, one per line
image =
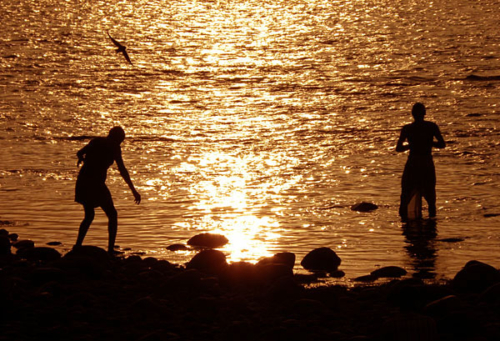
column 476, row 277
column 208, row 261
column 283, row 258
column 210, row 240
column 24, row 244
column 321, row 259
column 44, row 254
column 4, row 246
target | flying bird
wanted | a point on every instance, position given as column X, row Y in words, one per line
column 121, row 49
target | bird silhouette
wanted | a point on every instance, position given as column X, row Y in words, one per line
column 121, row 49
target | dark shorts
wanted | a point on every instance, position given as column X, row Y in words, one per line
column 95, row 194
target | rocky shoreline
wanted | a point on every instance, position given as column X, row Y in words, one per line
column 88, row 295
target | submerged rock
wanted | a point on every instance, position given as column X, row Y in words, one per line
column 364, row 207
column 210, row 240
column 54, row 243
column 177, row 247
column 389, row 271
column 321, row 259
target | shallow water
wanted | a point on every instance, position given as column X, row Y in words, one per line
column 261, row 120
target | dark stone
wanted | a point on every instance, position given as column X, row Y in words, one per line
column 491, row 295
column 54, row 243
column 177, row 247
column 284, row 258
column 89, row 251
column 4, row 246
column 475, row 277
column 268, row 273
column 284, row 289
column 321, row 259
column 240, row 274
column 44, row 254
column 309, row 306
column 397, row 287
column 443, row 306
column 366, row 278
column 209, row 240
column 491, row 215
column 4, row 233
column 389, row 271
column 364, row 207
column 209, row 261
column 337, row 274
column 184, row 280
column 14, row 237
column 47, row 274
column 24, row 244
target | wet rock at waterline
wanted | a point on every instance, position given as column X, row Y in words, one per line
column 321, row 259
column 389, row 272
column 209, row 240
column 364, row 207
column 177, row 247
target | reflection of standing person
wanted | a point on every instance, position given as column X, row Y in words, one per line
column 91, row 190
column 419, row 173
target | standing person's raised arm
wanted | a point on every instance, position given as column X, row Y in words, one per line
column 440, row 141
column 401, row 147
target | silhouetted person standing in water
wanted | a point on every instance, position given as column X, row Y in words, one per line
column 91, row 190
column 419, row 174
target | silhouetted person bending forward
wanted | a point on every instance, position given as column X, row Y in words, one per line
column 91, row 190
column 419, row 173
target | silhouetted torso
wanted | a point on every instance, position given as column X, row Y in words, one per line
column 100, row 154
column 420, row 135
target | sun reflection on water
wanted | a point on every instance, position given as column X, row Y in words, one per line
column 229, row 203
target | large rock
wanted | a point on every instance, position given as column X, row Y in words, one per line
column 44, row 254
column 208, row 261
column 283, row 258
column 321, row 259
column 88, row 251
column 209, row 240
column 475, row 277
column 24, row 244
column 443, row 306
column 269, row 273
column 240, row 274
column 4, row 246
column 491, row 295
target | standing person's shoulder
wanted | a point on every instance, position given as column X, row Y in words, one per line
column 432, row 125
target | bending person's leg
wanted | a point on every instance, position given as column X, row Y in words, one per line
column 112, row 215
column 84, row 226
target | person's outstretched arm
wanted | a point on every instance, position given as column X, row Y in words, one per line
column 440, row 141
column 401, row 147
column 126, row 177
